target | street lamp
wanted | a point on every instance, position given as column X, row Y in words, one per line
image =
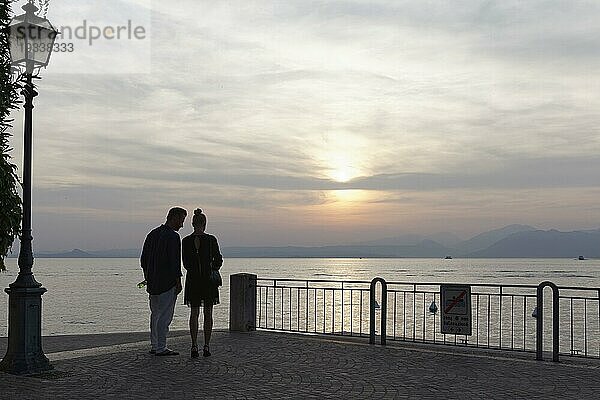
column 31, row 41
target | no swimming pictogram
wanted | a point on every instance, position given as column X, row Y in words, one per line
column 456, row 300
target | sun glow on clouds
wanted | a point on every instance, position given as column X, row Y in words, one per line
column 350, row 196
column 346, row 209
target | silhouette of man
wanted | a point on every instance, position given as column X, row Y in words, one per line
column 161, row 262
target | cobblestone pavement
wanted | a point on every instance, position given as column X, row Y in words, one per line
column 275, row 365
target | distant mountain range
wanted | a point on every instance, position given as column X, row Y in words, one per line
column 487, row 239
column 544, row 244
column 77, row 253
column 426, row 248
column 399, row 246
column 518, row 241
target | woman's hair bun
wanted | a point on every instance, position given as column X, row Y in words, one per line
column 197, row 211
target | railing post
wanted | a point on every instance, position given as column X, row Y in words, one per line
column 539, row 345
column 242, row 302
column 383, row 311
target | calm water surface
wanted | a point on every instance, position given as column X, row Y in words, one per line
column 100, row 295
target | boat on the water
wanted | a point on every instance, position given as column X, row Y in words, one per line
column 448, row 258
column 581, row 258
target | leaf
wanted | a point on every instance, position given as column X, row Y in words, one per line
column 10, row 202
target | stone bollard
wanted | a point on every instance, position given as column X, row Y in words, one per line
column 242, row 302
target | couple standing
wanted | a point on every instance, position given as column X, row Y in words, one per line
column 161, row 261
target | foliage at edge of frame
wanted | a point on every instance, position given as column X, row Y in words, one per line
column 10, row 201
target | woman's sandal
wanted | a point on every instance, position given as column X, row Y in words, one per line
column 206, row 351
column 194, row 352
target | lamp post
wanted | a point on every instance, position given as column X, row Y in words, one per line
column 31, row 41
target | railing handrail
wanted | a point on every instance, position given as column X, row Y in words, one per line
column 495, row 285
column 578, row 288
column 540, row 320
column 462, row 283
column 311, row 280
column 383, row 308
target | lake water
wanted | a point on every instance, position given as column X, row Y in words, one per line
column 100, row 295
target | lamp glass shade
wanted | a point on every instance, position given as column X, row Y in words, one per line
column 31, row 41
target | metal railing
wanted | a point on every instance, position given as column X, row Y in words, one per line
column 579, row 328
column 502, row 315
column 313, row 306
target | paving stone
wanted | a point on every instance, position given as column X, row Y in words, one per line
column 265, row 365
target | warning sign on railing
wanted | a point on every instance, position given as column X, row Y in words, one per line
column 456, row 309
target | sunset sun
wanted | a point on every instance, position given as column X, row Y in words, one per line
column 343, row 171
column 343, row 156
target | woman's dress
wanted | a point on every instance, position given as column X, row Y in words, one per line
column 200, row 253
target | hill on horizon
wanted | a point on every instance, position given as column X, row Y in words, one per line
column 544, row 244
column 78, row 253
column 446, row 239
column 487, row 239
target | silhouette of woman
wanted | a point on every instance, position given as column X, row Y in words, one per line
column 200, row 253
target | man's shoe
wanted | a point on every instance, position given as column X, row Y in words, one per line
column 194, row 352
column 152, row 352
column 167, row 352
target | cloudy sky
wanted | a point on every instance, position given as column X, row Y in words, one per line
column 318, row 122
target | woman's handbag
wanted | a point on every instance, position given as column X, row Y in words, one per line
column 214, row 275
column 215, row 278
